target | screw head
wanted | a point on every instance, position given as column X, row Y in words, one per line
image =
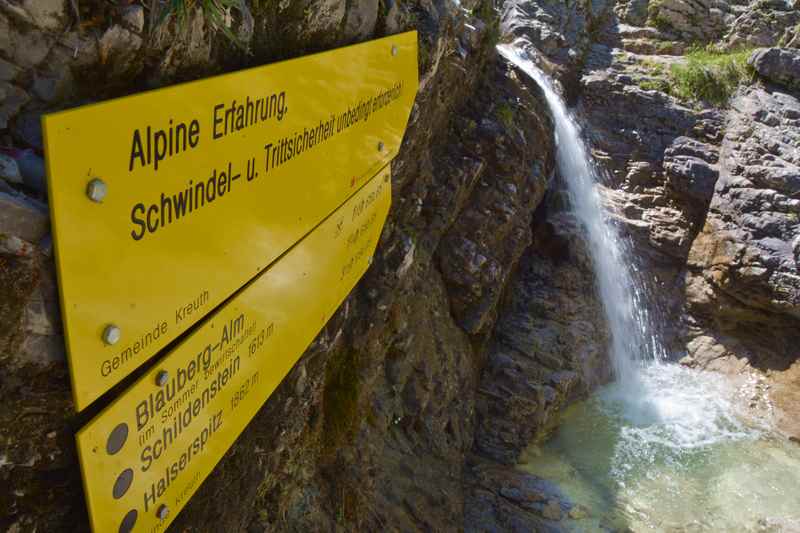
column 394, row 49
column 111, row 334
column 162, row 512
column 380, row 146
column 96, row 190
column 162, row 377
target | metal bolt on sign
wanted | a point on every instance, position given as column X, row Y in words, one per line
column 162, row 512
column 162, row 377
column 380, row 146
column 96, row 190
column 111, row 334
column 394, row 49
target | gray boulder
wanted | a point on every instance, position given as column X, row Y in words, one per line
column 745, row 254
column 780, row 65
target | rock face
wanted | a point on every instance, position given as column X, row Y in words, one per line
column 477, row 321
column 743, row 285
column 561, row 32
column 377, row 421
column 548, row 346
column 764, row 23
column 706, row 194
column 779, row 65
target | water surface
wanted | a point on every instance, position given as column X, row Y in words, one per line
column 676, row 455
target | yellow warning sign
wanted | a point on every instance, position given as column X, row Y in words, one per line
column 164, row 203
column 144, row 456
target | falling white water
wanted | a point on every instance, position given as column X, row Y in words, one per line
column 623, row 303
column 664, row 448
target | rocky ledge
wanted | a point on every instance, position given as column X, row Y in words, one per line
column 702, row 168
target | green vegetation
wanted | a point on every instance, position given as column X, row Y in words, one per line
column 505, row 114
column 658, row 77
column 654, row 85
column 710, row 76
column 215, row 13
column 488, row 14
column 655, row 19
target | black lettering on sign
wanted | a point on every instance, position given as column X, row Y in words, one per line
column 159, row 144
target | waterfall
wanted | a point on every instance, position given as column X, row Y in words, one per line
column 664, row 447
column 623, row 302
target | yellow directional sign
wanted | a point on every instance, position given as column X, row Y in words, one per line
column 146, row 454
column 166, row 202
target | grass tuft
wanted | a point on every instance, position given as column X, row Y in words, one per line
column 710, row 76
column 215, row 12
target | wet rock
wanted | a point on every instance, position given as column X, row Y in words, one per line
column 23, row 218
column 780, row 65
column 659, row 157
column 545, row 349
column 507, row 499
column 477, row 257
